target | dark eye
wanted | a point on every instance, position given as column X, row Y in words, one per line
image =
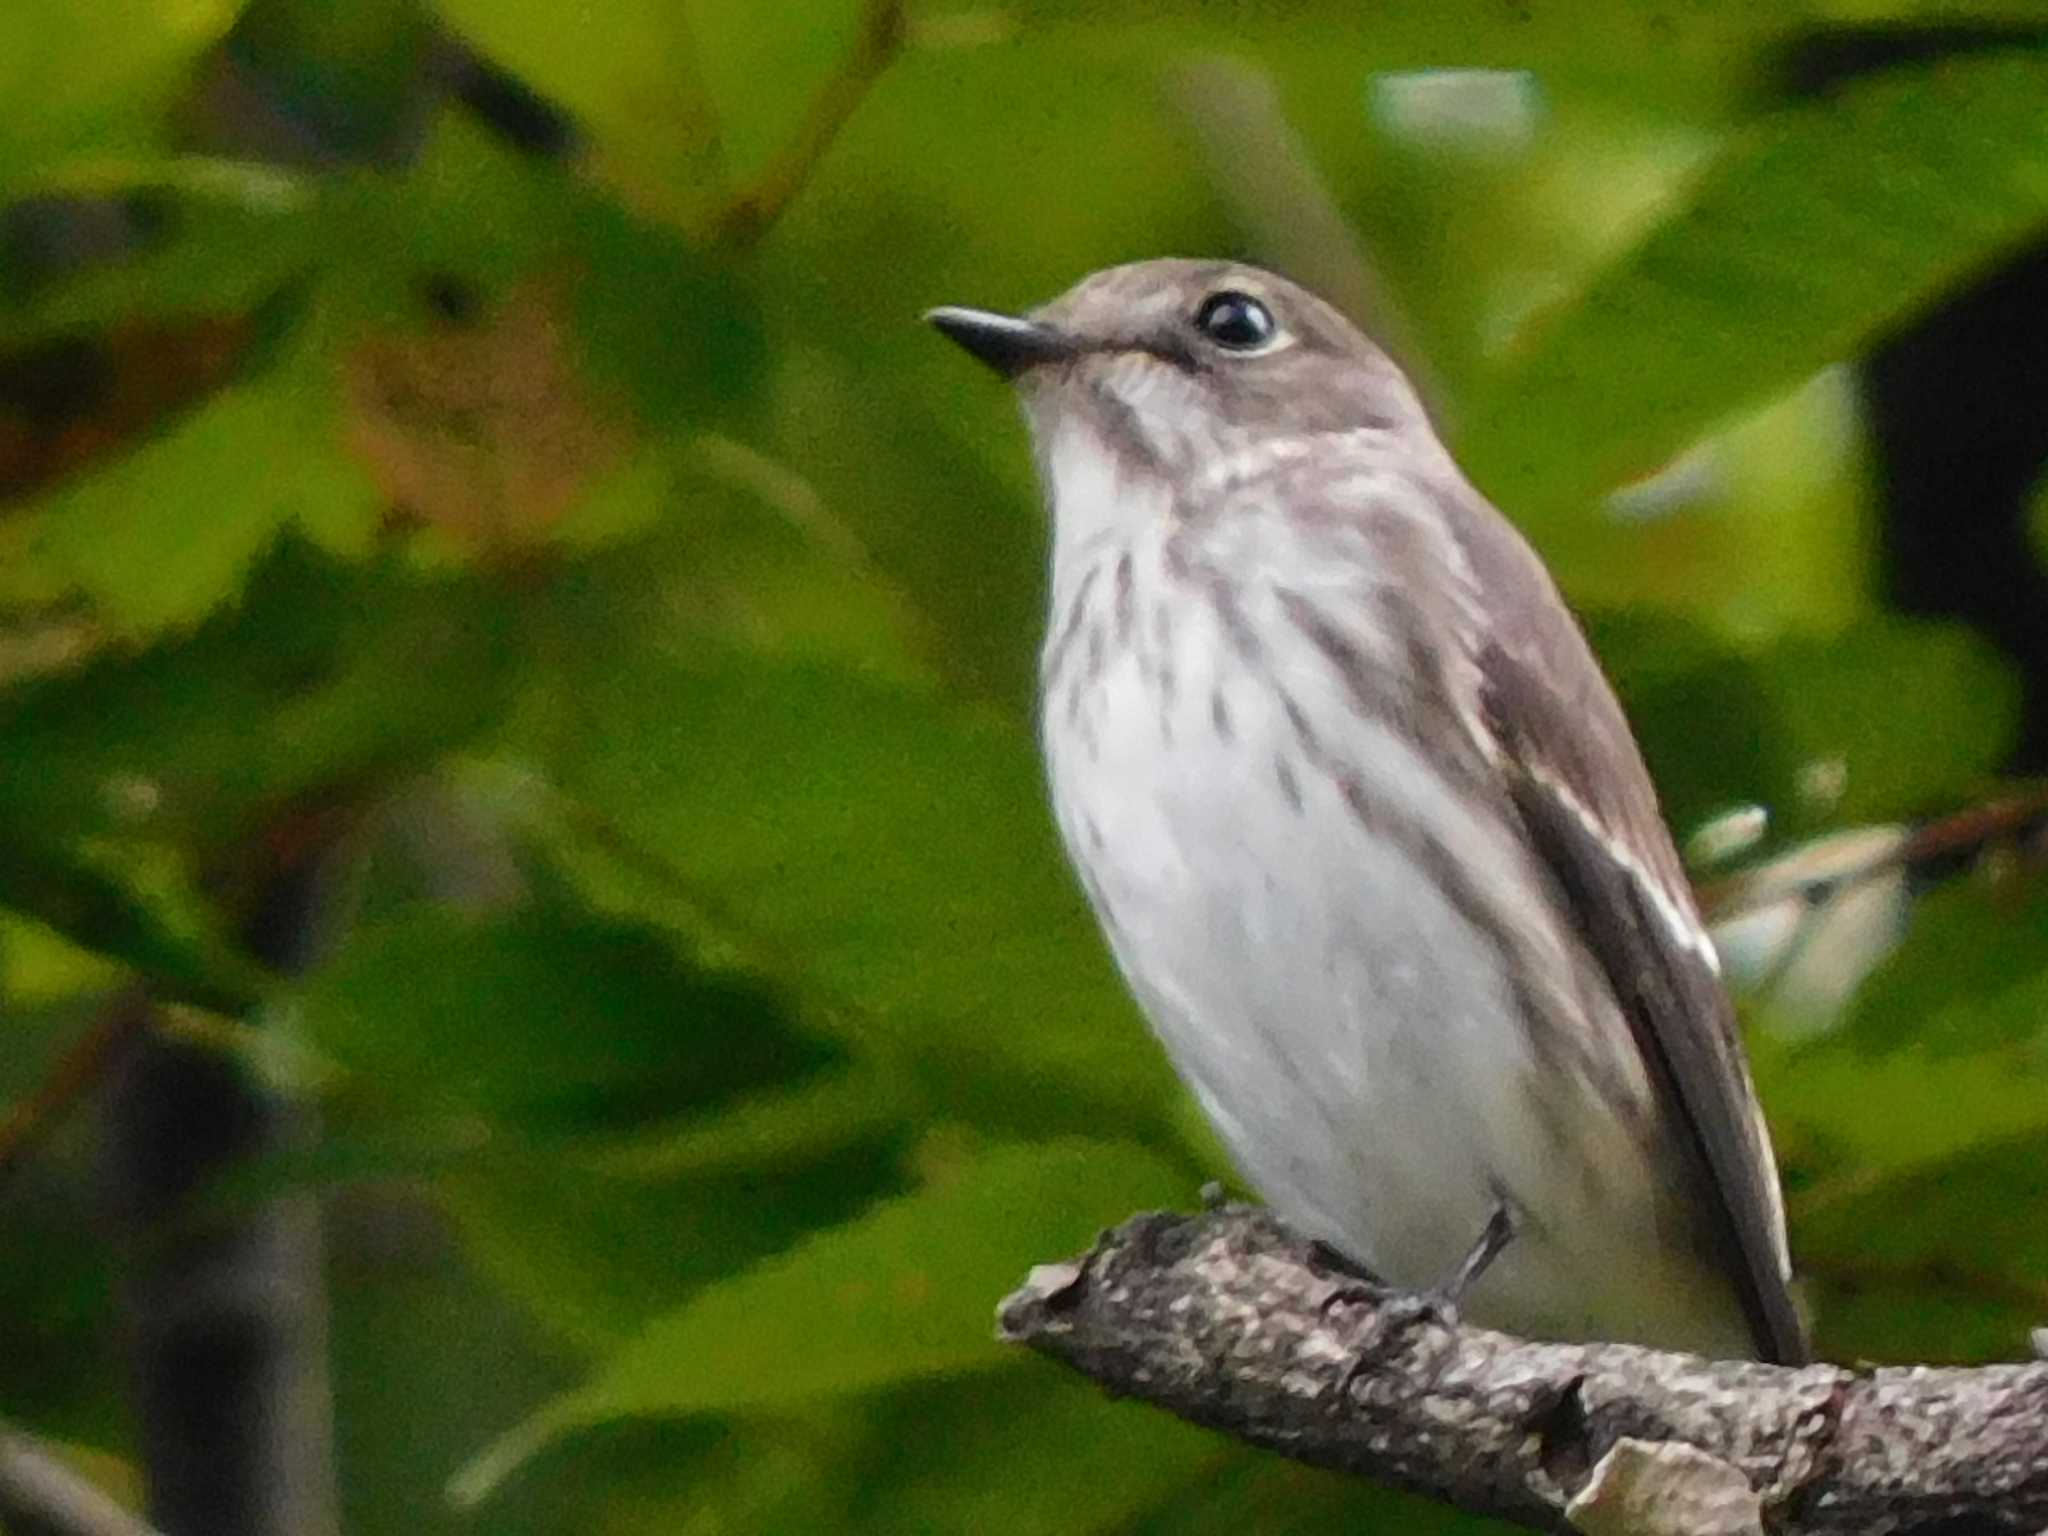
column 1235, row 320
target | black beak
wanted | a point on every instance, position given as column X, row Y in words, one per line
column 1007, row 344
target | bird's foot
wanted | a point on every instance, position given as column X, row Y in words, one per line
column 1401, row 1312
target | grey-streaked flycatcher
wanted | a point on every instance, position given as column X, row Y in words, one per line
column 1366, row 829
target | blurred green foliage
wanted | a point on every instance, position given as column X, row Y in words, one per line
column 715, row 1033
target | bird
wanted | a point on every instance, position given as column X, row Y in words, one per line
column 1367, row 831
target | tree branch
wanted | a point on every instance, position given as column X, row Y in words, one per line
column 225, row 1306
column 1220, row 1319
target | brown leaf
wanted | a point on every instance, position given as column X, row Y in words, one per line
column 486, row 429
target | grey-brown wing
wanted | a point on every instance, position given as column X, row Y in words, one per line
column 1679, row 1014
column 1579, row 783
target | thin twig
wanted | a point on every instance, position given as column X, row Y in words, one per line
column 79, row 1069
column 756, row 207
column 41, row 1496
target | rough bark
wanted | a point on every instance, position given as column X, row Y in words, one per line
column 1228, row 1321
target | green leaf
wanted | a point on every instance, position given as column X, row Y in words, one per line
column 951, row 525
column 681, row 1477
column 1697, row 707
column 1957, row 1273
column 1971, row 976
column 1657, row 56
column 323, row 678
column 56, row 1296
column 1881, row 721
column 776, row 1128
column 1908, row 1179
column 422, row 1347
column 94, row 72
column 1914, row 714
column 124, row 778
column 948, row 1456
column 214, row 237
column 39, row 967
column 677, row 331
column 548, row 1021
column 629, row 72
column 762, row 69
column 1790, row 477
column 1811, row 231
column 159, row 536
column 889, row 848
column 184, row 956
column 903, row 1293
column 1842, row 1115
column 595, row 1250
column 700, row 539
column 1251, row 1491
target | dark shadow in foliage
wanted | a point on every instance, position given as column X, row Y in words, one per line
column 1958, row 405
column 1815, row 63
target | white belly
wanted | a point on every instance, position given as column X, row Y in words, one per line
column 1356, row 1045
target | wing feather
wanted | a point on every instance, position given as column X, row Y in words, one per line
column 1578, row 780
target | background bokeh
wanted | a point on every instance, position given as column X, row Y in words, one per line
column 519, row 826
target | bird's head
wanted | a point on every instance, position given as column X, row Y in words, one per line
column 1179, row 366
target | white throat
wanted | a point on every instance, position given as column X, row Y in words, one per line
column 1096, row 495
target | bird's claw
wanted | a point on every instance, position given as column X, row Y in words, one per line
column 1401, row 1312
